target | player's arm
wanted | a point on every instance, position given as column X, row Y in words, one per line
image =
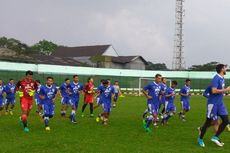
column 182, row 93
column 217, row 91
column 41, row 94
column 146, row 94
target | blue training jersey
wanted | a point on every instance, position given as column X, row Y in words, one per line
column 10, row 90
column 217, row 82
column 154, row 91
column 37, row 92
column 207, row 91
column 170, row 91
column 75, row 88
column 2, row 90
column 65, row 89
column 48, row 92
column 163, row 90
column 106, row 93
column 185, row 90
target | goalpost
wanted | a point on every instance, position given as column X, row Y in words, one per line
column 144, row 81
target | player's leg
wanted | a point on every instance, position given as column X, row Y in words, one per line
column 12, row 106
column 83, row 109
column 1, row 105
column 91, row 109
column 7, row 106
column 115, row 98
column 46, row 116
column 74, row 104
column 63, row 107
column 107, row 109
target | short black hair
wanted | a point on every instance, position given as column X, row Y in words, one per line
column 102, row 80
column 219, row 67
column 116, row 81
column 74, row 76
column 157, row 75
column 174, row 82
column 38, row 81
column 11, row 79
column 89, row 78
column 66, row 79
column 187, row 80
column 29, row 72
column 163, row 78
column 49, row 77
column 105, row 82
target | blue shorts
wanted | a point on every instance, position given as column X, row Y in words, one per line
column 215, row 110
column 2, row 102
column 170, row 107
column 48, row 109
column 38, row 101
column 152, row 108
column 185, row 105
column 74, row 102
column 107, row 107
column 10, row 100
column 65, row 100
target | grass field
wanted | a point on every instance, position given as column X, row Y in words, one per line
column 124, row 133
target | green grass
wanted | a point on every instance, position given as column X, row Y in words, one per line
column 124, row 133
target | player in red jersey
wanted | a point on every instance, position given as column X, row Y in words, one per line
column 88, row 97
column 26, row 88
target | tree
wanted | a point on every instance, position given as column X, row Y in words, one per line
column 3, row 42
column 205, row 67
column 156, row 66
column 44, row 47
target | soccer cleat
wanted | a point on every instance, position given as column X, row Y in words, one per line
column 217, row 141
column 144, row 123
column 11, row 113
column 114, row 105
column 228, row 127
column 26, row 129
column 148, row 130
column 47, row 128
column 201, row 142
column 98, row 119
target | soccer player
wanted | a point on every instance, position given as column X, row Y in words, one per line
column 98, row 97
column 216, row 106
column 2, row 90
column 26, row 88
column 65, row 94
column 76, row 89
column 185, row 99
column 107, row 92
column 170, row 108
column 117, row 92
column 48, row 94
column 152, row 93
column 38, row 100
column 163, row 86
column 10, row 90
column 88, row 97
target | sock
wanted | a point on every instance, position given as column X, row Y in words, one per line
column 46, row 120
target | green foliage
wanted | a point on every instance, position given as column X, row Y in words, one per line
column 205, row 67
column 44, row 47
column 156, row 66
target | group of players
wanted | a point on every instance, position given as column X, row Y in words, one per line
column 45, row 96
column 157, row 93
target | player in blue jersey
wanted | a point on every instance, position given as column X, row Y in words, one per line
column 48, row 94
column 106, row 93
column 98, row 97
column 163, row 86
column 2, row 90
column 38, row 100
column 76, row 88
column 185, row 99
column 152, row 93
column 65, row 96
column 216, row 107
column 10, row 90
column 170, row 108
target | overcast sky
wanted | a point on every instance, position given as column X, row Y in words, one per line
column 133, row 27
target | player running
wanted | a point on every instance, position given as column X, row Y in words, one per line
column 164, row 87
column 185, row 99
column 26, row 88
column 48, row 94
column 2, row 90
column 152, row 93
column 76, row 89
column 10, row 90
column 107, row 92
column 216, row 106
column 170, row 108
column 65, row 94
column 88, row 97
column 117, row 92
column 98, row 97
column 38, row 100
